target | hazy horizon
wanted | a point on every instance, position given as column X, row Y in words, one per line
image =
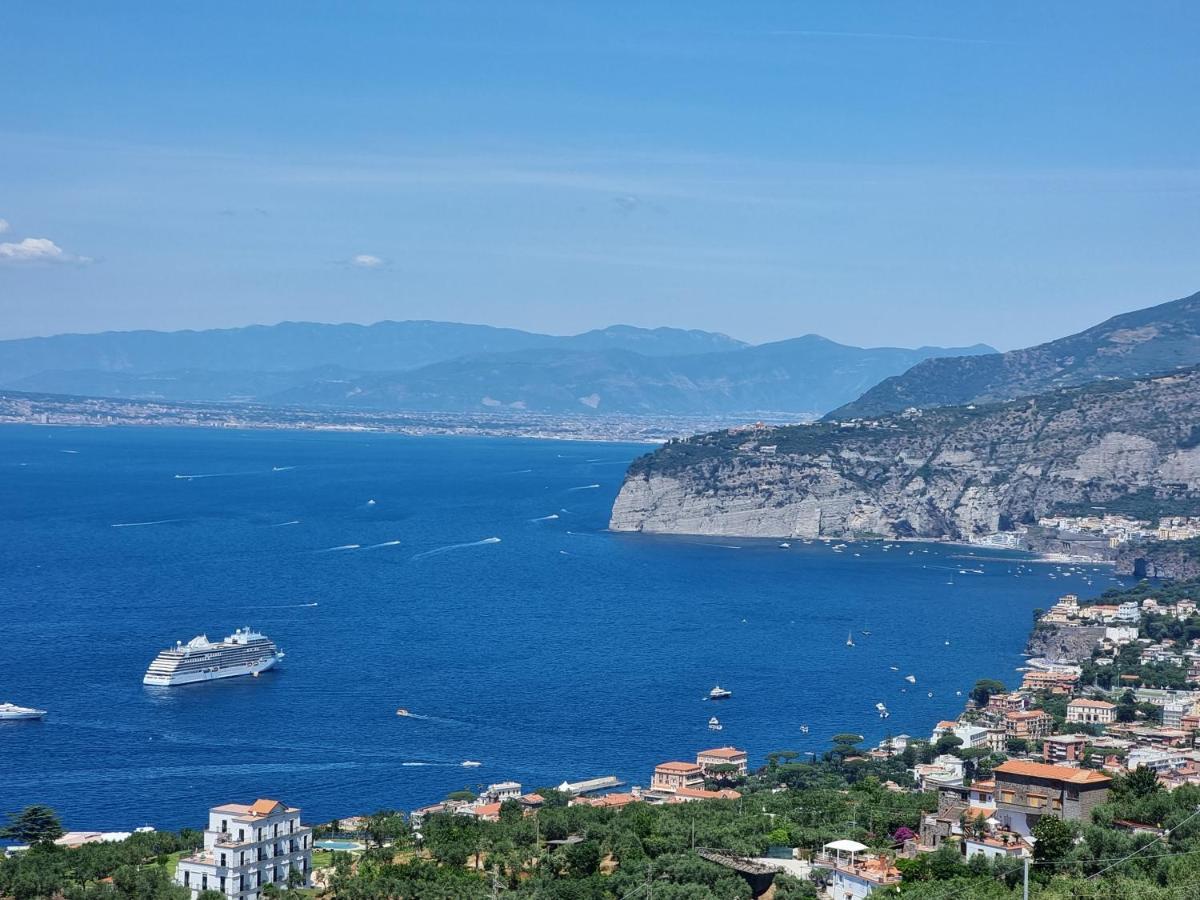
column 878, row 175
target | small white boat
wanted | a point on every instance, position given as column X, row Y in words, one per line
column 10, row 712
column 850, row 639
column 911, row 679
column 471, row 763
column 719, row 693
column 784, row 545
column 804, row 729
column 403, row 712
column 714, row 724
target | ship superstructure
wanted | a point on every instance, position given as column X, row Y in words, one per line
column 244, row 652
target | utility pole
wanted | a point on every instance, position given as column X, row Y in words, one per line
column 1025, row 886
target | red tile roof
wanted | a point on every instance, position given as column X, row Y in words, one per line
column 723, row 752
column 682, row 768
column 1055, row 773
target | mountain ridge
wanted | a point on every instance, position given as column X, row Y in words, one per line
column 445, row 367
column 1140, row 342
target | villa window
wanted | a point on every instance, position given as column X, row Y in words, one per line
column 241, row 835
column 223, row 863
column 187, row 878
column 224, row 826
column 204, row 882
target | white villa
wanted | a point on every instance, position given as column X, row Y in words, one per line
column 247, row 848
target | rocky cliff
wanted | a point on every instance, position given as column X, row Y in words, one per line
column 1173, row 560
column 948, row 472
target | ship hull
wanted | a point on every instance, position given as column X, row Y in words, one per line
column 211, row 674
column 22, row 716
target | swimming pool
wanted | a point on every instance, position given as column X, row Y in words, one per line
column 337, row 845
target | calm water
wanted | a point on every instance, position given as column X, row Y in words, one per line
column 559, row 651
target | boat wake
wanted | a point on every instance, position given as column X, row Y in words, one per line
column 548, row 518
column 449, row 547
column 584, row 487
column 384, row 544
column 141, row 524
column 195, row 477
column 290, row 606
column 282, row 524
column 342, row 547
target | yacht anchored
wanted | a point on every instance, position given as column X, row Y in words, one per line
column 244, row 652
column 719, row 693
column 12, row 712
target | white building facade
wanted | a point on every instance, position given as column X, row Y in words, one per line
column 247, row 847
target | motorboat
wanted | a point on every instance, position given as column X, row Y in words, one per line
column 10, row 712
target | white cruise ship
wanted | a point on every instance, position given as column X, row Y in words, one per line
column 244, row 652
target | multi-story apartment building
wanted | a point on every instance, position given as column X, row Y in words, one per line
column 1026, row 791
column 722, row 756
column 247, row 847
column 1031, row 725
column 1085, row 711
column 1064, row 748
column 669, row 777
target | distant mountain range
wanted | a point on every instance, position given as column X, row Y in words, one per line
column 447, row 367
column 1157, row 339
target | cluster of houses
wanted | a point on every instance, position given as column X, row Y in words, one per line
column 671, row 782
column 1120, row 530
column 1061, row 767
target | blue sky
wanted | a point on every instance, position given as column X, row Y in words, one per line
column 880, row 173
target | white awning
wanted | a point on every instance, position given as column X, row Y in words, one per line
column 846, row 846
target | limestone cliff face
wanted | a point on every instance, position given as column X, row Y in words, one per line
column 949, row 472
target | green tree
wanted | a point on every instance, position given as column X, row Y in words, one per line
column 947, row 743
column 1054, row 839
column 985, row 688
column 33, row 825
column 1141, row 782
column 583, row 858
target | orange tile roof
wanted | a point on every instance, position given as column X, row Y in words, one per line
column 1026, row 714
column 701, row 794
column 683, row 768
column 989, row 785
column 612, row 801
column 1047, row 771
column 723, row 752
column 264, row 807
column 1092, row 704
column 487, row 810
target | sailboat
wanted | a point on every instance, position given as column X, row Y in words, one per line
column 850, row 639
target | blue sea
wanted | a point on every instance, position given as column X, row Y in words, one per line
column 469, row 580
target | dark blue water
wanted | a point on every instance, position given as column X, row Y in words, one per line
column 559, row 651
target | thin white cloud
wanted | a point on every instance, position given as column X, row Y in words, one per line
column 37, row 250
column 885, row 36
column 366, row 261
column 3, row 225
